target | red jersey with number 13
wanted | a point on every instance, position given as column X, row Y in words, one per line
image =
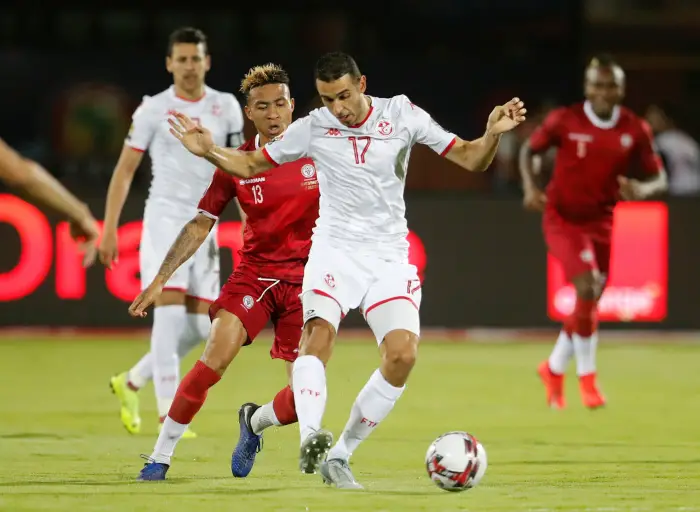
column 281, row 206
column 592, row 153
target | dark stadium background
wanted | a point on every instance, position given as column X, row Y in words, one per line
column 72, row 76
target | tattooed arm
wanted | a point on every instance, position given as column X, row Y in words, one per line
column 191, row 237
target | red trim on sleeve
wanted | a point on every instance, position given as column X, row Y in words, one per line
column 138, row 150
column 449, row 146
column 268, row 157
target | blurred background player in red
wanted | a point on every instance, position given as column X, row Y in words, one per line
column 281, row 208
column 604, row 153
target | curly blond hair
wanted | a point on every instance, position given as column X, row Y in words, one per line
column 263, row 75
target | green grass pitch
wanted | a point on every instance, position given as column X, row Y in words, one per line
column 62, row 447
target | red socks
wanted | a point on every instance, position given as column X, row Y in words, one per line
column 283, row 405
column 192, row 392
column 584, row 320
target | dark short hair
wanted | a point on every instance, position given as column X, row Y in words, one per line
column 263, row 75
column 604, row 60
column 188, row 35
column 335, row 65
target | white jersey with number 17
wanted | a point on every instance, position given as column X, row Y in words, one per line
column 362, row 171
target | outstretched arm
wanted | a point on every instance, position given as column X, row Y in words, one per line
column 243, row 164
column 474, row 155
column 32, row 179
column 186, row 244
column 190, row 239
column 477, row 155
column 199, row 141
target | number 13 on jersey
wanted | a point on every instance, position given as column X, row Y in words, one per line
column 360, row 145
column 257, row 194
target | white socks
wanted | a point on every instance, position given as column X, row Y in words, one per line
column 264, row 417
column 169, row 323
column 142, row 371
column 309, row 384
column 168, row 438
column 372, row 405
column 197, row 330
column 561, row 354
column 198, row 327
column 585, row 349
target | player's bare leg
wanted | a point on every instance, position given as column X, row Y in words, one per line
column 309, row 385
column 225, row 340
column 372, row 405
column 589, row 286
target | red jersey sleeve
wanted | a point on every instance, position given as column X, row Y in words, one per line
column 548, row 133
column 220, row 192
column 649, row 159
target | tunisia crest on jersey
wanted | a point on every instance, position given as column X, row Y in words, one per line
column 385, row 128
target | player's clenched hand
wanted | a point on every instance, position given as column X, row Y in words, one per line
column 534, row 199
column 506, row 117
column 630, row 190
column 145, row 299
column 195, row 138
column 108, row 251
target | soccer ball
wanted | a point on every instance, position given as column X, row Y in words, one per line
column 456, row 461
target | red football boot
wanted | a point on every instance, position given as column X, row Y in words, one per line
column 554, row 386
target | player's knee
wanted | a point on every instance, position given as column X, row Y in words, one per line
column 317, row 339
column 226, row 338
column 399, row 353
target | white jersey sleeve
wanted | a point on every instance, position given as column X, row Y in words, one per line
column 234, row 115
column 292, row 145
column 144, row 123
column 424, row 129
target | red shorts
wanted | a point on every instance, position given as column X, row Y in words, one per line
column 255, row 300
column 579, row 247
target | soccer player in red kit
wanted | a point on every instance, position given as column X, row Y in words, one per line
column 281, row 208
column 600, row 144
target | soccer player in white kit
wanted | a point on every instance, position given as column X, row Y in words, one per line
column 359, row 254
column 180, row 318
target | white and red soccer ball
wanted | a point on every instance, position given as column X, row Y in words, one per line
column 456, row 461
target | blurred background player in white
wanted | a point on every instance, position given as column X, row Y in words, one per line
column 679, row 151
column 359, row 253
column 180, row 319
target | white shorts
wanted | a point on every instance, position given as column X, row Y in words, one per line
column 198, row 277
column 388, row 293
